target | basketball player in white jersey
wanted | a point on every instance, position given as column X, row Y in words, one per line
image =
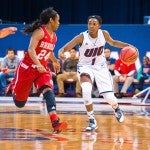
column 92, row 65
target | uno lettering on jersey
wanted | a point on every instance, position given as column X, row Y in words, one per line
column 94, row 52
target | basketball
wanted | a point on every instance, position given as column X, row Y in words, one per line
column 129, row 55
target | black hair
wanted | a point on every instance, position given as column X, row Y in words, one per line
column 107, row 48
column 96, row 17
column 45, row 15
column 10, row 49
column 74, row 48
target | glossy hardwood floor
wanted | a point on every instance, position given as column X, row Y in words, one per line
column 29, row 128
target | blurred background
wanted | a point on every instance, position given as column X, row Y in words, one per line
column 76, row 11
column 126, row 20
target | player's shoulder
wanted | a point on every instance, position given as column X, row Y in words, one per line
column 80, row 36
column 105, row 31
column 84, row 34
column 38, row 33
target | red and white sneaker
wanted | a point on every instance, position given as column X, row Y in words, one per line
column 59, row 126
column 56, row 124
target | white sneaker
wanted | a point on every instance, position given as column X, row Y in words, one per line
column 92, row 125
column 119, row 114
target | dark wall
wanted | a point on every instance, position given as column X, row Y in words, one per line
column 77, row 11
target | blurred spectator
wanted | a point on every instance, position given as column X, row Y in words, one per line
column 110, row 61
column 123, row 73
column 69, row 72
column 143, row 74
column 0, row 65
column 8, row 66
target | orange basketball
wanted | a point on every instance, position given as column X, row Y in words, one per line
column 129, row 55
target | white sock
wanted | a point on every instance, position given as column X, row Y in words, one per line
column 90, row 114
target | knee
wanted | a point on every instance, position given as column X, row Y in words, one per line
column 18, row 103
column 110, row 98
column 86, row 92
column 59, row 77
column 86, row 87
column 130, row 79
column 115, row 78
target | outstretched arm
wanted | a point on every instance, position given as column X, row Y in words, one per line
column 7, row 31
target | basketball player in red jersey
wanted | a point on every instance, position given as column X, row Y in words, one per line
column 33, row 68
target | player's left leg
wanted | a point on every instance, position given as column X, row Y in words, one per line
column 49, row 97
column 104, row 83
column 112, row 100
column 45, row 85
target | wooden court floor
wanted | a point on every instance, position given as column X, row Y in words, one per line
column 29, row 128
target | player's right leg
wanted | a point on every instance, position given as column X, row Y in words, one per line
column 22, row 96
column 21, row 86
column 18, row 103
column 21, row 93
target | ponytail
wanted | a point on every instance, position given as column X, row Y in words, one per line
column 35, row 25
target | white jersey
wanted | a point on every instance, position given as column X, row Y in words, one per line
column 92, row 50
column 92, row 62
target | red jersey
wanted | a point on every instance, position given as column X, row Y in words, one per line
column 45, row 46
column 123, row 68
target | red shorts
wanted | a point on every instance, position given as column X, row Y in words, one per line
column 26, row 75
